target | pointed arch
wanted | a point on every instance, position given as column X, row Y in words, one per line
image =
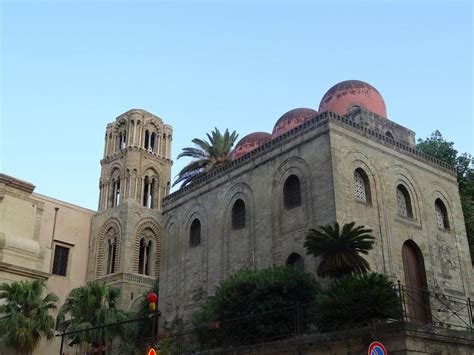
column 147, row 248
column 108, row 248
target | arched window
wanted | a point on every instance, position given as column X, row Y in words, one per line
column 295, row 260
column 116, row 195
column 145, row 257
column 111, row 255
column 238, row 214
column 147, row 139
column 122, row 140
column 292, row 192
column 404, row 202
column 362, row 187
column 149, row 187
column 195, row 233
column 388, row 134
column 441, row 215
column 152, row 142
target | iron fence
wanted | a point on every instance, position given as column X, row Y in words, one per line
column 415, row 306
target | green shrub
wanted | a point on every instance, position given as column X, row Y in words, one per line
column 356, row 301
column 272, row 294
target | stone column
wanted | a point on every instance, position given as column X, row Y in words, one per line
column 105, row 145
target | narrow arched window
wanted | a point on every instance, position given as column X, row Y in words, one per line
column 195, row 233
column 151, row 203
column 148, row 253
column 115, row 191
column 147, row 139
column 295, row 260
column 111, row 255
column 238, row 214
column 404, row 202
column 141, row 256
column 152, row 142
column 441, row 215
column 146, row 191
column 362, row 187
column 292, row 192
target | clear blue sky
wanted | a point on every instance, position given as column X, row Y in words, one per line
column 67, row 69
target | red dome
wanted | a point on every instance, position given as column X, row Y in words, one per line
column 250, row 142
column 343, row 96
column 292, row 119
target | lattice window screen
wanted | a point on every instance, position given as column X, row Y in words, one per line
column 359, row 188
column 402, row 203
column 439, row 217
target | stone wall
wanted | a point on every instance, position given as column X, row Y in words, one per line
column 323, row 153
column 397, row 338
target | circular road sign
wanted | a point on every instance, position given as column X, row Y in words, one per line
column 377, row 348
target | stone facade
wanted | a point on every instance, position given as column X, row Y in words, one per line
column 126, row 232
column 324, row 153
column 34, row 231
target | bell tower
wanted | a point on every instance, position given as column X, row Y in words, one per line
column 127, row 230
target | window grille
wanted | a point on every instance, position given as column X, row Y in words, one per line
column 359, row 188
column 61, row 256
column 195, row 233
column 404, row 202
column 238, row 215
column 401, row 203
column 292, row 192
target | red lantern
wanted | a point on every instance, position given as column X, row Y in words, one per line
column 152, row 299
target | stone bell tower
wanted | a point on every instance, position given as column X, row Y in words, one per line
column 127, row 230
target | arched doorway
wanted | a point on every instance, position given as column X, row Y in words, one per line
column 416, row 290
column 295, row 260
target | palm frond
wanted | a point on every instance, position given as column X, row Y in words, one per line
column 339, row 249
column 207, row 154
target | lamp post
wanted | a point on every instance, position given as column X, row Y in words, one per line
column 152, row 299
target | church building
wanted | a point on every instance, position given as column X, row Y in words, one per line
column 344, row 162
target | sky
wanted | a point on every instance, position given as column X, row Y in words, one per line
column 70, row 67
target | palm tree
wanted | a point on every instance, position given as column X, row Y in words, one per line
column 25, row 315
column 91, row 305
column 339, row 250
column 207, row 155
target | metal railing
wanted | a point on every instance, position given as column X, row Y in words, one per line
column 416, row 305
column 437, row 309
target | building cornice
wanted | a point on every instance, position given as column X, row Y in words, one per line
column 322, row 119
column 16, row 183
column 23, row 271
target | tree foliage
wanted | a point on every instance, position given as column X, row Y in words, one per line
column 443, row 150
column 340, row 249
column 268, row 293
column 355, row 301
column 207, row 154
column 25, row 314
column 91, row 305
column 144, row 327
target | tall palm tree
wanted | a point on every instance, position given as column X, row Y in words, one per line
column 91, row 305
column 25, row 315
column 207, row 155
column 340, row 250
